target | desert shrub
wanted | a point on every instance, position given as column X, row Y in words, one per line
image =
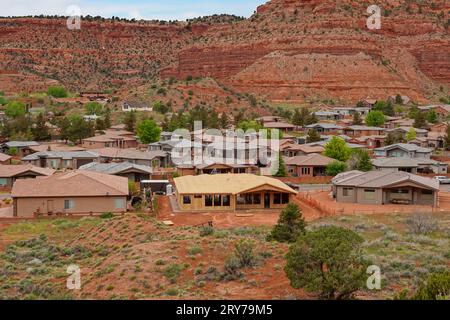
column 422, row 224
column 160, row 262
column 57, row 92
column 244, row 253
column 107, row 215
column 195, row 249
column 437, row 287
column 172, row 272
column 206, row 231
column 232, row 268
column 327, row 261
column 290, row 225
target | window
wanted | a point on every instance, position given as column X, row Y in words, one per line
column 427, row 192
column 186, row 199
column 3, row 181
column 217, row 200
column 53, row 164
column 248, row 198
column 347, row 192
column 256, row 198
column 226, row 201
column 240, row 199
column 277, row 198
column 305, row 171
column 208, row 200
column 285, row 198
column 400, row 191
column 119, row 203
column 69, row 204
column 369, row 194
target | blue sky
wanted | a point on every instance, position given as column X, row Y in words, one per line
column 145, row 9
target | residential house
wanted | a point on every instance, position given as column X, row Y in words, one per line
column 370, row 142
column 128, row 106
column 403, row 150
column 5, row 159
column 293, row 150
column 308, row 166
column 411, row 165
column 111, row 139
column 75, row 192
column 403, row 131
column 385, row 187
column 10, row 173
column 268, row 119
column 217, row 168
column 131, row 171
column 154, row 159
column 23, row 148
column 328, row 115
column 359, row 131
column 282, row 126
column 55, row 147
column 325, row 128
column 231, row 192
column 350, row 111
column 60, row 160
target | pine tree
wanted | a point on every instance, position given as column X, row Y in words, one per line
column 107, row 120
column 313, row 136
column 290, row 225
column 130, row 121
column 357, row 119
column 420, row 121
column 40, row 130
column 224, row 121
column 447, row 138
column 281, row 167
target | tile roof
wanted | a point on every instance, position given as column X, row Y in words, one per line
column 65, row 155
column 226, row 184
column 116, row 168
column 381, row 179
column 405, row 146
column 128, row 153
column 7, row 171
column 76, row 183
column 21, row 144
column 309, row 160
column 4, row 157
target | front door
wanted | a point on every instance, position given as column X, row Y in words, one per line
column 49, row 206
column 267, row 200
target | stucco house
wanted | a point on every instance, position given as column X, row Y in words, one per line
column 10, row 173
column 312, row 165
column 359, row 131
column 23, row 148
column 133, row 172
column 146, row 158
column 412, row 165
column 111, row 139
column 324, row 128
column 75, row 192
column 231, row 192
column 403, row 150
column 385, row 187
column 59, row 160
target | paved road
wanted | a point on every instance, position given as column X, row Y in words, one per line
column 310, row 187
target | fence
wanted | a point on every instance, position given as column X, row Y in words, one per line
column 309, row 200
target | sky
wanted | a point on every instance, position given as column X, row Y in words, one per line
column 138, row 9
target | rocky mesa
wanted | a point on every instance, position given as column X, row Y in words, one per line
column 289, row 50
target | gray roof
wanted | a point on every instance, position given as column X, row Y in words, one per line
column 396, row 162
column 405, row 146
column 382, row 179
column 324, row 125
column 406, row 129
column 115, row 168
column 361, row 128
column 65, row 155
column 21, row 144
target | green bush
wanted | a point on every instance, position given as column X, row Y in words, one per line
column 107, row 215
column 57, row 92
column 244, row 253
column 206, row 231
column 290, row 225
column 437, row 287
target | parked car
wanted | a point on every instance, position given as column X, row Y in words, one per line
column 443, row 179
